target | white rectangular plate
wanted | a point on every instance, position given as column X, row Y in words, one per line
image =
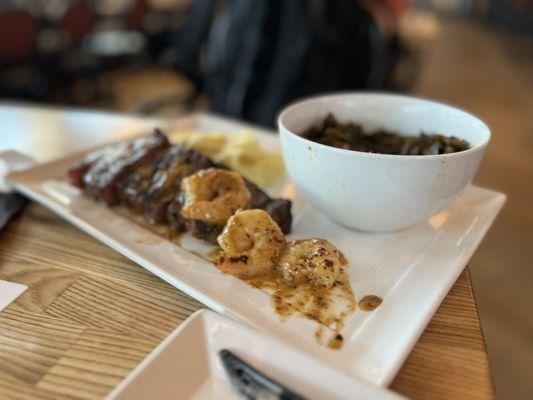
column 186, row 365
column 412, row 269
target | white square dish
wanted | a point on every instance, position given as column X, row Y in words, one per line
column 186, row 366
column 412, row 269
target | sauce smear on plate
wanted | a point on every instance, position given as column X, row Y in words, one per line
column 370, row 303
column 329, row 306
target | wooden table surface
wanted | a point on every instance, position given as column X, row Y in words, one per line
column 90, row 315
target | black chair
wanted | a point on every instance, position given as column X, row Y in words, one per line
column 262, row 54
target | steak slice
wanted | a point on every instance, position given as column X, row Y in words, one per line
column 201, row 230
column 131, row 190
column 178, row 163
column 113, row 164
column 198, row 229
column 77, row 172
column 278, row 209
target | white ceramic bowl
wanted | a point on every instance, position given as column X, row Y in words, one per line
column 380, row 192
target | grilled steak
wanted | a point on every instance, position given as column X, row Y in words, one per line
column 76, row 173
column 145, row 174
column 165, row 184
column 279, row 209
column 132, row 188
column 104, row 170
column 204, row 231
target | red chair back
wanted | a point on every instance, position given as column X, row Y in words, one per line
column 18, row 31
column 137, row 13
column 78, row 20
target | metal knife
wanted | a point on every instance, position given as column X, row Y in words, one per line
column 251, row 383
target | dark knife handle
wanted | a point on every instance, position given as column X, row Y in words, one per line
column 252, row 383
column 10, row 205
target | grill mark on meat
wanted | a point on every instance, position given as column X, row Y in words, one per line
column 77, row 172
column 113, row 164
column 132, row 188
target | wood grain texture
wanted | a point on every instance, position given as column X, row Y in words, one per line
column 493, row 68
column 90, row 316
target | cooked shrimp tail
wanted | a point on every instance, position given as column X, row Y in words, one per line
column 251, row 244
column 213, row 195
column 315, row 260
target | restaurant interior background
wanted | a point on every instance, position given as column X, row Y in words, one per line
column 247, row 59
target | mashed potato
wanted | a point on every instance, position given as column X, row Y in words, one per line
column 239, row 151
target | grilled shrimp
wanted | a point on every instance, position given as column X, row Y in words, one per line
column 251, row 243
column 213, row 195
column 314, row 260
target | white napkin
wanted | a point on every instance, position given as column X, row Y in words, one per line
column 10, row 161
column 9, row 291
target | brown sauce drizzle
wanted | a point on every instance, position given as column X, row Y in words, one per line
column 370, row 303
column 335, row 342
column 327, row 306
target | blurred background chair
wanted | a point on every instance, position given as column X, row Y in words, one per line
column 235, row 57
